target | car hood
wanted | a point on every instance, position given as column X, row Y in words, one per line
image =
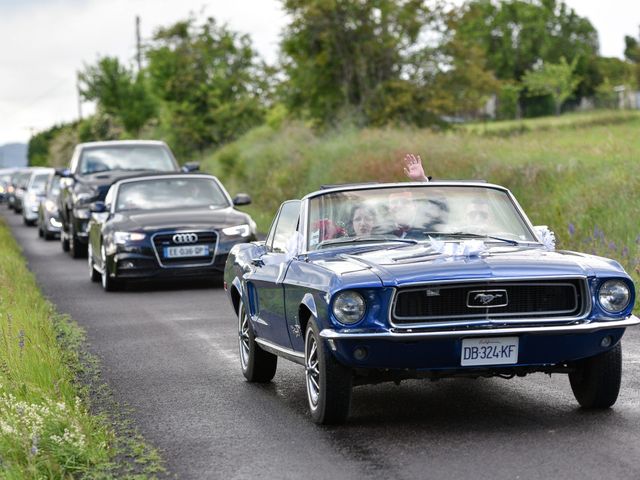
column 416, row 264
column 182, row 219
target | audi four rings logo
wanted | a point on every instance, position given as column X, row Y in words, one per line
column 185, row 238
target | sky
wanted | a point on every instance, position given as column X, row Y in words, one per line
column 43, row 43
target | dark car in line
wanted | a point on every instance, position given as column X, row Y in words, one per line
column 165, row 226
column 372, row 283
column 93, row 168
column 11, row 188
column 19, row 183
column 48, row 216
column 5, row 180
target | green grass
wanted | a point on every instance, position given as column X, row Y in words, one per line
column 574, row 172
column 46, row 427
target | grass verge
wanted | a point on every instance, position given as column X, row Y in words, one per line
column 56, row 418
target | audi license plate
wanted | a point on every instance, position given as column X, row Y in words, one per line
column 489, row 351
column 186, row 251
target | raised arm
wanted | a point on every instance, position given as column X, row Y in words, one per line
column 413, row 168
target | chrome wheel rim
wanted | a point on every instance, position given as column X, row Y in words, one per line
column 103, row 256
column 312, row 368
column 90, row 261
column 243, row 337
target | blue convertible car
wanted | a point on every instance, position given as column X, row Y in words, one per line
column 383, row 282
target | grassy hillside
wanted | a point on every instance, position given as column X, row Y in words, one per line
column 577, row 174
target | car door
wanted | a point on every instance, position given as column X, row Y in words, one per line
column 264, row 280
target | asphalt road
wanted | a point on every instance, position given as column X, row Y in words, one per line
column 169, row 352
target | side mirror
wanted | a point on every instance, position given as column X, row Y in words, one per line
column 241, row 199
column 98, row 207
column 64, row 173
column 191, row 167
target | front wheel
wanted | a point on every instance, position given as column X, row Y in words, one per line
column 257, row 365
column 64, row 241
column 328, row 382
column 109, row 284
column 94, row 275
column 76, row 248
column 596, row 381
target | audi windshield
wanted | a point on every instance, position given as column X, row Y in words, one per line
column 170, row 193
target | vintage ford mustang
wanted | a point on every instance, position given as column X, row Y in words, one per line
column 384, row 282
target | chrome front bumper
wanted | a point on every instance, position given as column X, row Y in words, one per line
column 400, row 334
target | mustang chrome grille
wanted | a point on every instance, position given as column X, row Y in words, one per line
column 162, row 240
column 501, row 300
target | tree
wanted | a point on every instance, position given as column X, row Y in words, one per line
column 209, row 80
column 632, row 53
column 350, row 57
column 557, row 80
column 517, row 35
column 118, row 92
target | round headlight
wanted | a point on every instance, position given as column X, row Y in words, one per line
column 349, row 307
column 614, row 296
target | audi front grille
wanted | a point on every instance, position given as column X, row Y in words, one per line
column 185, row 238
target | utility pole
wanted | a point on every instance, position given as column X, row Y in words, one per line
column 79, row 96
column 138, row 47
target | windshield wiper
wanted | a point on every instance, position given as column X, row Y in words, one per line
column 478, row 235
column 345, row 240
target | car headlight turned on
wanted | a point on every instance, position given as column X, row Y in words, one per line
column 349, row 307
column 50, row 206
column 242, row 230
column 614, row 296
column 121, row 238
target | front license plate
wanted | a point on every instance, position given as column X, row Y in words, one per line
column 187, row 251
column 489, row 351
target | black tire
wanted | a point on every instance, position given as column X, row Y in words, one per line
column 109, row 284
column 258, row 366
column 76, row 248
column 64, row 241
column 596, row 382
column 48, row 235
column 328, row 382
column 94, row 275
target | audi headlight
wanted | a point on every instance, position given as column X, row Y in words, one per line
column 124, row 237
column 242, row 230
column 349, row 307
column 614, row 296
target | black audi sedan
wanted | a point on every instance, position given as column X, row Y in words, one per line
column 165, row 226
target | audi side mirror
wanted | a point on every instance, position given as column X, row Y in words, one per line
column 191, row 167
column 241, row 199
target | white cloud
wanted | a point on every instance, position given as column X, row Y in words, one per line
column 44, row 43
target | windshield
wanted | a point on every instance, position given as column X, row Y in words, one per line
column 170, row 193
column 54, row 185
column 414, row 213
column 134, row 157
column 23, row 180
column 39, row 182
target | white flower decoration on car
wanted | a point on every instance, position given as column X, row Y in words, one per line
column 546, row 236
